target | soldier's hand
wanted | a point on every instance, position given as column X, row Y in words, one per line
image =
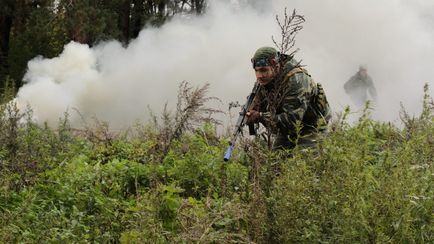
column 253, row 116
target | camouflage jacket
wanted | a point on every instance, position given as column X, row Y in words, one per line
column 358, row 85
column 290, row 99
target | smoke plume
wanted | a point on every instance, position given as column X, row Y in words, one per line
column 118, row 83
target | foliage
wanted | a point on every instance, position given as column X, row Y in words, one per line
column 369, row 182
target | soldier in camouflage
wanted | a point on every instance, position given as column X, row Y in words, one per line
column 358, row 86
column 289, row 103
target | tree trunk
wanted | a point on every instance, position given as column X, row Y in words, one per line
column 124, row 20
column 5, row 30
column 198, row 6
column 162, row 8
column 78, row 34
column 137, row 17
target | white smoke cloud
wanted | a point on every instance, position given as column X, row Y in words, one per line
column 393, row 38
column 117, row 84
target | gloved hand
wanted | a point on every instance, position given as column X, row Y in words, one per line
column 253, row 116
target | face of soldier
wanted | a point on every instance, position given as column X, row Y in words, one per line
column 264, row 74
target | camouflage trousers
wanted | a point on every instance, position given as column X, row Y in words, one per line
column 283, row 141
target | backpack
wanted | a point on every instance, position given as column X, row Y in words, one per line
column 318, row 102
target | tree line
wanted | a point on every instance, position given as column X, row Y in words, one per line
column 42, row 27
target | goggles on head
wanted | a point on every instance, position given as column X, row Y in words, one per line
column 262, row 62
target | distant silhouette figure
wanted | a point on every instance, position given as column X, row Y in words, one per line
column 358, row 85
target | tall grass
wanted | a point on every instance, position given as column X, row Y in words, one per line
column 371, row 182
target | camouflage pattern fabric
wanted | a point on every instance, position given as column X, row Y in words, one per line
column 264, row 56
column 293, row 107
column 358, row 86
column 265, row 52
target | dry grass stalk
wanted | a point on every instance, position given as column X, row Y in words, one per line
column 289, row 27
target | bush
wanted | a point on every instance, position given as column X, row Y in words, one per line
column 369, row 182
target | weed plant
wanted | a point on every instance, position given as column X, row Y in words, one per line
column 370, row 182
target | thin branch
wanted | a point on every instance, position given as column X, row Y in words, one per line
column 289, row 27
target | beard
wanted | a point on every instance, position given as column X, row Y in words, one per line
column 265, row 81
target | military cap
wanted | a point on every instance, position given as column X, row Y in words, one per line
column 265, row 56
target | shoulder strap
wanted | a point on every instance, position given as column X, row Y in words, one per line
column 295, row 71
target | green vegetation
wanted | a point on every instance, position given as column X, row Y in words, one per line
column 367, row 183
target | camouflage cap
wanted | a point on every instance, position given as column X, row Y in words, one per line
column 264, row 56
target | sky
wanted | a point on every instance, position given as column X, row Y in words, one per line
column 121, row 84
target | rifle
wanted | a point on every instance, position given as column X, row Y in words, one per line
column 242, row 121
